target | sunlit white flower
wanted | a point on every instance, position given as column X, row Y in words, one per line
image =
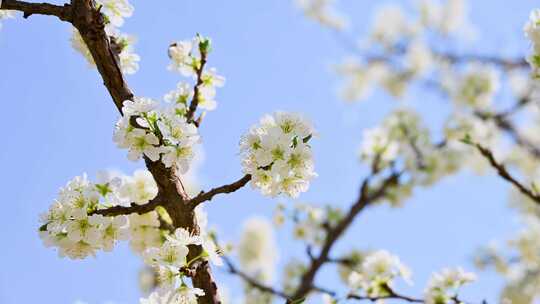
column 443, row 286
column 116, row 10
column 277, row 155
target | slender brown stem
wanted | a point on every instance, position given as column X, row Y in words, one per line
column 501, row 170
column 197, row 90
column 206, row 196
column 252, row 281
column 134, row 208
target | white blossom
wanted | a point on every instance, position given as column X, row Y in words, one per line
column 116, row 10
column 72, row 226
column 378, row 271
column 158, row 133
column 182, row 60
column 257, row 249
column 476, row 87
column 443, row 286
column 140, row 188
column 322, row 11
column 277, row 155
column 390, row 25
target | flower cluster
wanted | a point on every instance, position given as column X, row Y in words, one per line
column 173, row 256
column 144, row 231
column 188, row 57
column 442, row 288
column 72, row 225
column 322, row 12
column 277, row 154
column 532, row 31
column 400, row 48
column 311, row 222
column 475, row 88
column 377, row 274
column 114, row 12
column 156, row 133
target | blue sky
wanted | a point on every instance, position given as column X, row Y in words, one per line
column 59, row 121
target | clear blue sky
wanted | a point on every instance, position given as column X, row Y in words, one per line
column 59, row 121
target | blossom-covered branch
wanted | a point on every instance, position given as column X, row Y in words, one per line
column 28, row 9
column 367, row 196
column 252, row 281
column 206, row 196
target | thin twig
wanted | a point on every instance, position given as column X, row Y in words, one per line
column 197, row 90
column 206, row 196
column 365, row 198
column 501, row 170
column 252, row 281
column 134, row 208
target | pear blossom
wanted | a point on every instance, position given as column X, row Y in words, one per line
column 443, row 286
column 476, row 88
column 377, row 143
column 378, row 272
column 390, row 25
column 418, row 58
column 532, row 32
column 277, row 154
column 139, row 188
column 158, row 133
column 322, row 12
column 144, row 231
column 129, row 61
column 182, row 60
column 116, row 10
column 72, row 226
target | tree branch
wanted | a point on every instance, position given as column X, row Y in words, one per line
column 501, row 170
column 206, row 196
column 197, row 90
column 365, row 198
column 134, row 208
column 251, row 281
column 391, row 296
column 62, row 12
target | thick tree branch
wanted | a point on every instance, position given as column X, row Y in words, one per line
column 366, row 197
column 28, row 9
column 134, row 208
column 91, row 25
column 206, row 196
column 501, row 170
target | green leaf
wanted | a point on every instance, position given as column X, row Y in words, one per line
column 467, row 139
